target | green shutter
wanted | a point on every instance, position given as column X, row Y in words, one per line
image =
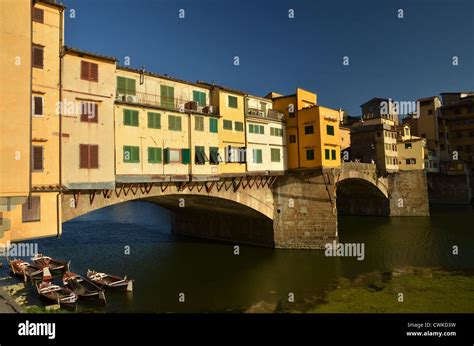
column 167, row 96
column 330, row 130
column 134, row 118
column 232, row 101
column 326, row 154
column 130, row 86
column 185, row 156
column 131, row 154
column 121, row 86
column 126, row 116
column 199, row 97
column 213, row 125
column 259, row 156
column 227, row 125
column 154, row 120
column 154, row 155
column 333, row 154
column 275, row 155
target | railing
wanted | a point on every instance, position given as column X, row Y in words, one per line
column 157, row 100
column 270, row 114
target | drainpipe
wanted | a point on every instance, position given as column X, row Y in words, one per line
column 61, row 43
column 30, row 168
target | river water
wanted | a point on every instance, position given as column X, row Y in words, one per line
column 213, row 279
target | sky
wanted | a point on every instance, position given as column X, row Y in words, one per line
column 400, row 58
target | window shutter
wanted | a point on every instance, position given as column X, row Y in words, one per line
column 84, row 109
column 185, row 156
column 37, row 158
column 83, row 156
column 151, row 122
column 84, row 70
column 38, row 57
column 134, row 118
column 151, row 156
column 95, row 119
column 167, row 155
column 121, row 85
column 130, row 86
column 38, row 15
column 94, row 72
column 126, row 117
column 93, row 156
column 38, row 104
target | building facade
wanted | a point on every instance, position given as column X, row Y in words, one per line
column 266, row 137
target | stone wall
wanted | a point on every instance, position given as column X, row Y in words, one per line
column 449, row 189
column 304, row 217
column 408, row 194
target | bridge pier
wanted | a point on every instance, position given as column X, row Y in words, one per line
column 305, row 214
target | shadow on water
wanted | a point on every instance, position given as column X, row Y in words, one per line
column 214, row 279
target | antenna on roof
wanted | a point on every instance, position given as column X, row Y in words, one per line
column 142, row 75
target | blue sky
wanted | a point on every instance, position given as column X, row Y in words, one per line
column 404, row 59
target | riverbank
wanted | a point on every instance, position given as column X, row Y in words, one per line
column 407, row 290
column 8, row 304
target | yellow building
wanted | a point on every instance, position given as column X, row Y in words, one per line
column 39, row 216
column 312, row 131
column 165, row 129
column 411, row 150
column 266, row 137
column 15, row 70
column 229, row 104
column 88, row 89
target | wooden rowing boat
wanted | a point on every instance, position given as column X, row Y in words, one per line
column 55, row 266
column 55, row 293
column 28, row 271
column 82, row 287
column 109, row 281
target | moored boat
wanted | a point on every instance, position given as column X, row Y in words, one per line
column 110, row 281
column 82, row 287
column 28, row 271
column 55, row 293
column 56, row 266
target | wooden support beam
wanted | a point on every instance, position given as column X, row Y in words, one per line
column 166, row 186
column 76, row 196
column 200, row 187
column 272, row 182
column 191, row 186
column 236, row 187
column 209, row 188
column 134, row 192
column 148, row 187
column 220, row 187
column 119, row 191
column 126, row 189
column 227, row 187
column 91, row 196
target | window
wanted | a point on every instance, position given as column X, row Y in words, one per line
column 330, row 130
column 154, row 155
column 199, row 97
column 154, row 120
column 213, row 125
column 88, row 156
column 257, row 155
column 276, row 132
column 173, row 155
column 333, row 154
column 232, row 101
column 89, row 71
column 31, row 209
column 258, row 129
column 131, row 154
column 235, row 154
column 200, row 156
column 167, row 96
column 227, row 125
column 292, row 138
column 174, row 123
column 238, row 126
column 199, row 123
column 130, row 117
column 38, row 56
column 38, row 158
column 309, row 129
column 413, row 161
column 408, row 146
column 275, row 154
column 126, row 85
column 38, row 15
column 38, row 103
column 214, row 157
column 310, row 154
column 326, row 154
column 89, row 112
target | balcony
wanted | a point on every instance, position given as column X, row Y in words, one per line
column 166, row 102
column 269, row 114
